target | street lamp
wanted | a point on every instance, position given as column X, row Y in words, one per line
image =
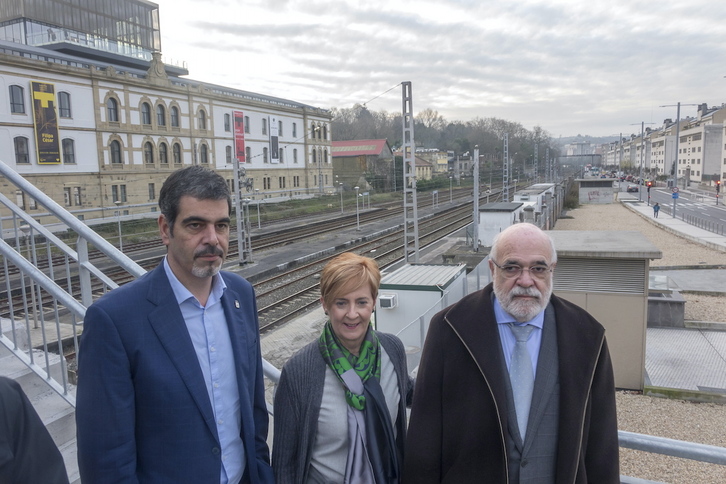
column 341, row 197
column 357, row 214
column 451, row 193
column 118, row 216
column 259, row 223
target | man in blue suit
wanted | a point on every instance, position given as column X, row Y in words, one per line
column 170, row 384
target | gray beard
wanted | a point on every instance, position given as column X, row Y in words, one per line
column 523, row 310
column 207, row 271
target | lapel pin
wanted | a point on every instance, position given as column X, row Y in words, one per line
column 236, row 304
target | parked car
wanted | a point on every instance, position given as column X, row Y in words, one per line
column 632, row 188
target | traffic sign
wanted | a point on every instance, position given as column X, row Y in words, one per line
column 675, row 195
column 674, row 190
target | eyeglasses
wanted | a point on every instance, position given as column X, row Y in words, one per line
column 512, row 271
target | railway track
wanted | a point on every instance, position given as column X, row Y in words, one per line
column 271, row 304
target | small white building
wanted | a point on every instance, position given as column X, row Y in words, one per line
column 497, row 216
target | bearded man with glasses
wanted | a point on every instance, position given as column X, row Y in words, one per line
column 515, row 384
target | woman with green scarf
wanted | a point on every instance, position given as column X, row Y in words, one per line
column 340, row 407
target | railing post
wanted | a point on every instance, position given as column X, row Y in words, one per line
column 84, row 276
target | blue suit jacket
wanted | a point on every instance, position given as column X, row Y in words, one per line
column 143, row 413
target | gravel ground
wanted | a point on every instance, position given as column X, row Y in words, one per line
column 675, row 419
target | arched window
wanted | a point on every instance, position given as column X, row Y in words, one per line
column 312, row 131
column 228, row 153
column 145, row 113
column 325, row 156
column 202, row 119
column 163, row 154
column 177, row 153
column 112, row 110
column 148, row 153
column 264, row 126
column 227, row 122
column 160, row 115
column 174, row 117
column 279, row 128
column 294, row 155
column 247, row 124
column 325, row 131
column 203, row 154
column 264, row 155
column 64, row 104
column 17, row 100
column 69, row 151
column 116, row 152
column 22, row 155
column 282, row 160
column 314, row 157
column 248, row 154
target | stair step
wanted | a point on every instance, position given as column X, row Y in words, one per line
column 69, row 451
column 57, row 415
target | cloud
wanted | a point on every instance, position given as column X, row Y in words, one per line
column 563, row 64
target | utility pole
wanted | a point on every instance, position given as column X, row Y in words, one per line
column 505, row 170
column 410, row 211
column 475, row 220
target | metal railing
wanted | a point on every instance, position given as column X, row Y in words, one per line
column 696, row 221
column 48, row 281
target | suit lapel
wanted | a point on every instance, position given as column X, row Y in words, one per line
column 234, row 313
column 168, row 324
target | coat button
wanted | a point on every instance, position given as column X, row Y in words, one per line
column 215, row 450
column 524, row 463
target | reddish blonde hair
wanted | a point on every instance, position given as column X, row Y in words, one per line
column 347, row 273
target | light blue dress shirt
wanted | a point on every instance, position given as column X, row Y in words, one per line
column 208, row 330
column 507, row 337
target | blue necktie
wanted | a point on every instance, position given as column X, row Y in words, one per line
column 521, row 375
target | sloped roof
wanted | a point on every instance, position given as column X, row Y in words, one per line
column 358, row 147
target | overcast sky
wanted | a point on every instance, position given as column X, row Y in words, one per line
column 590, row 67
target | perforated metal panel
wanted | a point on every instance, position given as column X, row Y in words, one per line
column 600, row 275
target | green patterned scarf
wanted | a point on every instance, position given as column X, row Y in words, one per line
column 340, row 360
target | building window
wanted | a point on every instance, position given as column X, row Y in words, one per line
column 228, row 154
column 294, row 130
column 281, row 158
column 77, row 196
column 203, row 154
column 264, row 126
column 248, row 154
column 69, row 151
column 112, row 110
column 123, row 192
column 160, row 115
column 145, row 114
column 176, row 153
column 163, row 154
column 314, row 156
column 21, row 150
column 325, row 131
column 64, row 104
column 279, row 128
column 312, row 131
column 294, row 155
column 32, row 203
column 116, row 153
column 174, row 117
column 264, row 155
column 152, row 191
column 114, row 193
column 281, row 182
column 227, row 122
column 67, row 196
column 266, row 183
column 202, row 120
column 148, row 153
column 17, row 100
column 247, row 124
column 295, row 181
column 325, row 156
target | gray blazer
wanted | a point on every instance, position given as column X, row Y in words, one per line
column 297, row 406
